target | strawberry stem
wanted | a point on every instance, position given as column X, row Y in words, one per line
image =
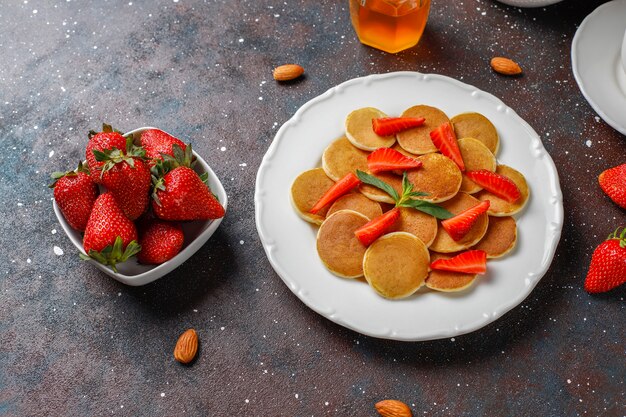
column 113, row 254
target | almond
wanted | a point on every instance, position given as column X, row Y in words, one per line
column 288, row 72
column 186, row 347
column 505, row 66
column 393, row 408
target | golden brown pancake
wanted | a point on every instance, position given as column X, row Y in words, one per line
column 415, row 222
column 447, row 281
column 359, row 130
column 475, row 156
column 500, row 207
column 403, row 151
column 500, row 238
column 379, row 195
column 306, row 190
column 337, row 246
column 356, row 202
column 417, row 140
column 443, row 242
column 341, row 157
column 439, row 176
column 396, row 264
column 477, row 126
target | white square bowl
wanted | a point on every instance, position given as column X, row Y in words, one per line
column 196, row 234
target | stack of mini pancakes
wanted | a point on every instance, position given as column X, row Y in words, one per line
column 397, row 264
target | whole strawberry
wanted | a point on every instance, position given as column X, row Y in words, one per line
column 75, row 193
column 613, row 183
column 160, row 241
column 608, row 264
column 156, row 142
column 101, row 141
column 110, row 237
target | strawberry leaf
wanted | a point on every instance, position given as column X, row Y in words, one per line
column 375, row 182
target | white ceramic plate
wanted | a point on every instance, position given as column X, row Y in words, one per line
column 196, row 234
column 529, row 3
column 289, row 241
column 596, row 62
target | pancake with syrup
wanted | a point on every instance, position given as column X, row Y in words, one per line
column 306, row 190
column 417, row 223
column 439, row 176
column 443, row 242
column 500, row 207
column 360, row 133
column 341, row 157
column 448, row 281
column 337, row 246
column 477, row 126
column 417, row 140
column 356, row 202
column 475, row 156
column 396, row 264
column 500, row 238
column 376, row 194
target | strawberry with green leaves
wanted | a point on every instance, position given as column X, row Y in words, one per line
column 608, row 264
column 613, row 183
column 75, row 193
column 160, row 241
column 108, row 139
column 157, row 143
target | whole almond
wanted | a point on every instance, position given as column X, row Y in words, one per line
column 393, row 408
column 288, row 72
column 505, row 66
column 186, row 347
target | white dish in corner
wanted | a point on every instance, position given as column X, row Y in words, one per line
column 596, row 62
column 529, row 3
column 196, row 234
column 289, row 242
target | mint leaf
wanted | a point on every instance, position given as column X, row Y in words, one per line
column 428, row 208
column 375, row 182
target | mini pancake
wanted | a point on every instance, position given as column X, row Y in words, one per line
column 396, row 264
column 403, row 151
column 337, row 246
column 379, row 195
column 360, row 133
column 356, row 202
column 439, row 176
column 475, row 156
column 448, row 281
column 341, row 157
column 477, row 126
column 417, row 223
column 500, row 207
column 443, row 242
column 306, row 190
column 500, row 238
column 417, row 140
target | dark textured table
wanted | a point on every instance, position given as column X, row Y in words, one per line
column 75, row 342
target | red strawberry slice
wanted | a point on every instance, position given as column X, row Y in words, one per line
column 387, row 159
column 470, row 262
column 445, row 140
column 459, row 225
column 387, row 126
column 613, row 183
column 496, row 184
column 341, row 187
column 375, row 228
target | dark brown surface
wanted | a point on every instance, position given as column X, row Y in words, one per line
column 75, row 342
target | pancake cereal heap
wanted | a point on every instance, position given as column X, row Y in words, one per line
column 413, row 200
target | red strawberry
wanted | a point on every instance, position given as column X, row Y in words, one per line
column 338, row 189
column 469, row 262
column 375, row 228
column 182, row 195
column 387, row 159
column 445, row 140
column 608, row 264
column 613, row 183
column 459, row 225
column 160, row 241
column 110, row 237
column 387, row 126
column 107, row 139
column 75, row 194
column 496, row 184
column 157, row 142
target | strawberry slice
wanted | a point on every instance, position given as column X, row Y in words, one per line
column 387, row 126
column 470, row 262
column 445, row 140
column 459, row 225
column 496, row 184
column 375, row 228
column 338, row 189
column 387, row 159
